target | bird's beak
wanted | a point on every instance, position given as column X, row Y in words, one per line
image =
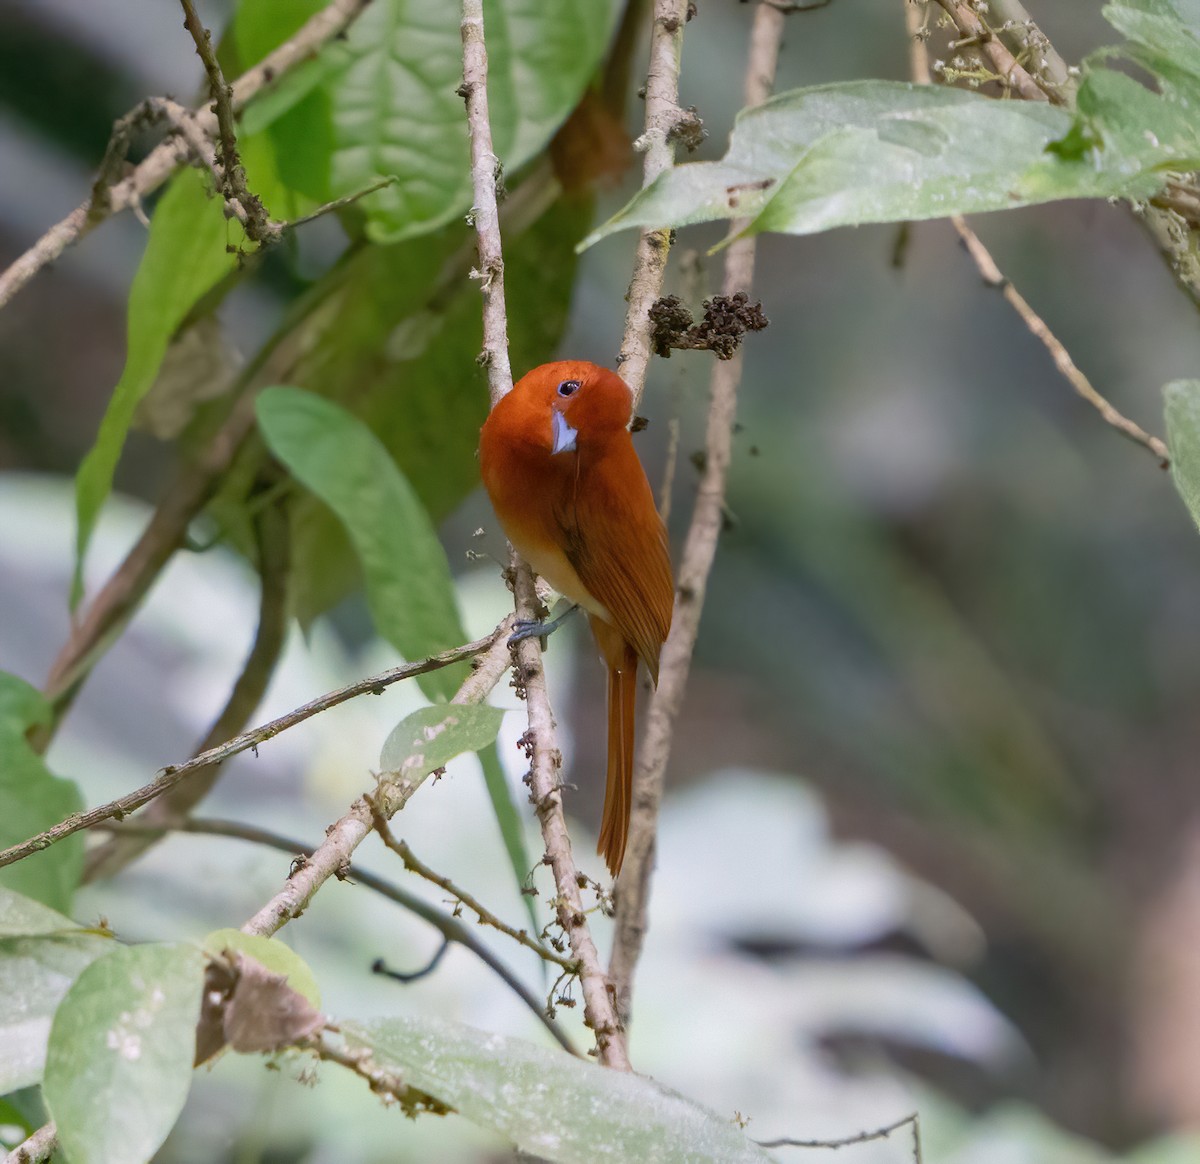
column 564, row 434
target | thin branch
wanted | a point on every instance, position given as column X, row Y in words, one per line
column 272, row 536
column 663, row 121
column 171, row 775
column 692, row 579
column 246, row 205
column 332, row 857
column 451, row 929
column 485, row 171
column 38, row 1147
column 1039, row 55
column 167, row 157
column 544, row 754
column 992, row 276
column 415, row 865
column 1058, row 353
column 1013, row 74
column 388, row 1085
column 380, row 967
column 913, row 1119
column 545, row 789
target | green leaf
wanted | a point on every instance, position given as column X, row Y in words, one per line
column 382, row 101
column 548, row 1103
column 273, row 954
column 431, row 737
column 185, row 257
column 119, row 1064
column 35, row 973
column 512, row 829
column 1183, row 438
column 409, row 589
column 22, row 916
column 33, row 800
column 1163, row 37
column 882, row 151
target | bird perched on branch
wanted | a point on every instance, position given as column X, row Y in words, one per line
column 559, row 465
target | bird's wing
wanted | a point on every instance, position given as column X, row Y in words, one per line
column 613, row 537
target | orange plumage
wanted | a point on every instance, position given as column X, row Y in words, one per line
column 559, row 465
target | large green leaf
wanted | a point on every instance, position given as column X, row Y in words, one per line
column 548, row 1103
column 33, row 799
column 1163, row 37
column 185, row 257
column 1183, row 437
column 883, row 151
column 409, row 589
column 119, row 1064
column 382, row 101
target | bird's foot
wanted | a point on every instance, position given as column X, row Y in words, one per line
column 538, row 628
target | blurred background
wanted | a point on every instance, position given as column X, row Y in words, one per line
column 933, row 835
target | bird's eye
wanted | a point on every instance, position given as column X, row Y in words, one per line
column 569, row 387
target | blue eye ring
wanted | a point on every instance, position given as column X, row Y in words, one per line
column 569, row 387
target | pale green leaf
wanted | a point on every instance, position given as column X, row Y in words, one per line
column 1183, row 437
column 185, row 258
column 409, row 589
column 383, row 101
column 22, row 916
column 431, row 737
column 33, row 799
column 35, row 973
column 550, row 1104
column 883, row 151
column 119, row 1064
column 273, row 954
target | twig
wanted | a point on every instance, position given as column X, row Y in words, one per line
column 380, row 967
column 271, row 529
column 1023, row 83
column 388, row 1085
column 1041, row 57
column 415, row 865
column 245, row 204
column 332, row 856
column 38, row 1147
column 695, row 564
column 1058, row 353
column 913, row 1119
column 451, row 929
column 544, row 754
column 485, row 170
column 993, row 277
column 171, row 775
column 663, row 118
column 167, row 157
column 546, row 791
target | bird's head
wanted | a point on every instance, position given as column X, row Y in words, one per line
column 578, row 398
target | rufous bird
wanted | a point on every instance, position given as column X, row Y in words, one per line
column 559, row 466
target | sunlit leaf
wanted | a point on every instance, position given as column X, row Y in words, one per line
column 185, row 257
column 382, row 101
column 409, row 588
column 119, row 1064
column 548, row 1103
column 883, row 151
column 33, row 799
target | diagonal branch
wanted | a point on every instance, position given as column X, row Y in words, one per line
column 174, row 774
column 695, row 565
column 167, row 157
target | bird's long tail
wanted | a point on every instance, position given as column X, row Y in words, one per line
column 621, row 660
